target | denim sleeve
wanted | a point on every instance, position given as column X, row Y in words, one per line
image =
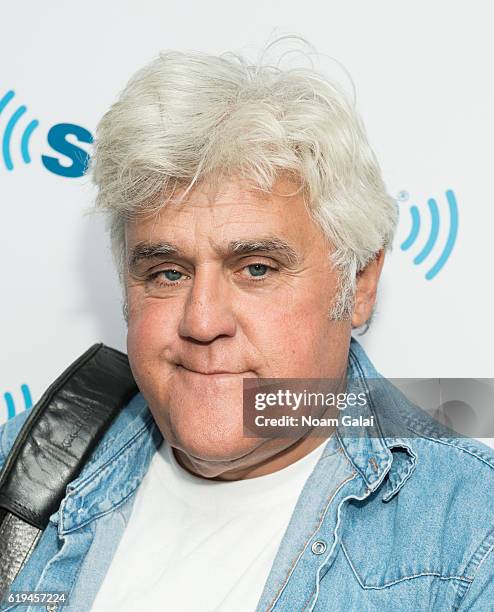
column 480, row 594
column 8, row 434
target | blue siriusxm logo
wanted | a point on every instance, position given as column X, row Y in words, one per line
column 10, row 404
column 415, row 230
column 56, row 140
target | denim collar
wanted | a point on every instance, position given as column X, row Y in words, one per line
column 122, row 458
column 371, row 449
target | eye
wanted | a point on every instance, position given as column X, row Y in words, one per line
column 172, row 275
column 167, row 277
column 257, row 269
column 257, row 272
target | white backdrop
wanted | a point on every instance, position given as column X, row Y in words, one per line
column 423, row 73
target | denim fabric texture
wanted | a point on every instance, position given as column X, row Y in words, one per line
column 398, row 522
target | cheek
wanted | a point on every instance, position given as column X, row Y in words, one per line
column 151, row 329
column 298, row 339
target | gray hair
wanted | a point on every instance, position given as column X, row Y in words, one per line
column 188, row 117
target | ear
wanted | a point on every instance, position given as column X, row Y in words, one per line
column 366, row 289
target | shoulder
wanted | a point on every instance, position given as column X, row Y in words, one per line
column 446, row 464
column 453, row 480
column 456, row 460
column 133, row 418
column 454, row 468
column 9, row 432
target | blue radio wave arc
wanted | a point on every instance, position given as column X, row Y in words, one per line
column 431, row 241
column 9, row 400
column 453, row 232
column 25, row 140
column 10, row 128
column 6, row 99
column 434, row 232
column 8, row 134
column 414, row 232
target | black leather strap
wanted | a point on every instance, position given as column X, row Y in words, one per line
column 53, row 445
column 62, row 431
column 17, row 540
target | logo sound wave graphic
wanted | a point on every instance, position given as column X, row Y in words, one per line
column 7, row 135
column 434, row 232
column 9, row 401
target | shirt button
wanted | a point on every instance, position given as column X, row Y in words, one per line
column 319, row 547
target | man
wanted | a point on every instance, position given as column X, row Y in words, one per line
column 249, row 223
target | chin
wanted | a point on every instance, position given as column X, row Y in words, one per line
column 218, row 443
column 210, row 421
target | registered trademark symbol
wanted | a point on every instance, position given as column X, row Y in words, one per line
column 403, row 196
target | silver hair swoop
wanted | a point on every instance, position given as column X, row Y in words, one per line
column 191, row 117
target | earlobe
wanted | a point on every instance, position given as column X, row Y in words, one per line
column 366, row 290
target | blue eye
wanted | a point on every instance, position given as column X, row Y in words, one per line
column 172, row 275
column 258, row 269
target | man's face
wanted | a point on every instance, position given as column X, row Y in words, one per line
column 228, row 284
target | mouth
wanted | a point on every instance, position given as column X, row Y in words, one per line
column 217, row 373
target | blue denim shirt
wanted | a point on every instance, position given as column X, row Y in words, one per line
column 397, row 522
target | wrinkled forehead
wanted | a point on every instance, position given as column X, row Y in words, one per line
column 229, row 218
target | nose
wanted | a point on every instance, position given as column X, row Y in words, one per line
column 207, row 312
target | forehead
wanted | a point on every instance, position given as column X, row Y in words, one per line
column 231, row 211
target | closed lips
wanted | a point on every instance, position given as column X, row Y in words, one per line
column 210, row 373
column 218, row 372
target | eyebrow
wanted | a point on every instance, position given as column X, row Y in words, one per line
column 145, row 251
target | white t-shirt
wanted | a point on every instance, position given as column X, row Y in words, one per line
column 194, row 544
